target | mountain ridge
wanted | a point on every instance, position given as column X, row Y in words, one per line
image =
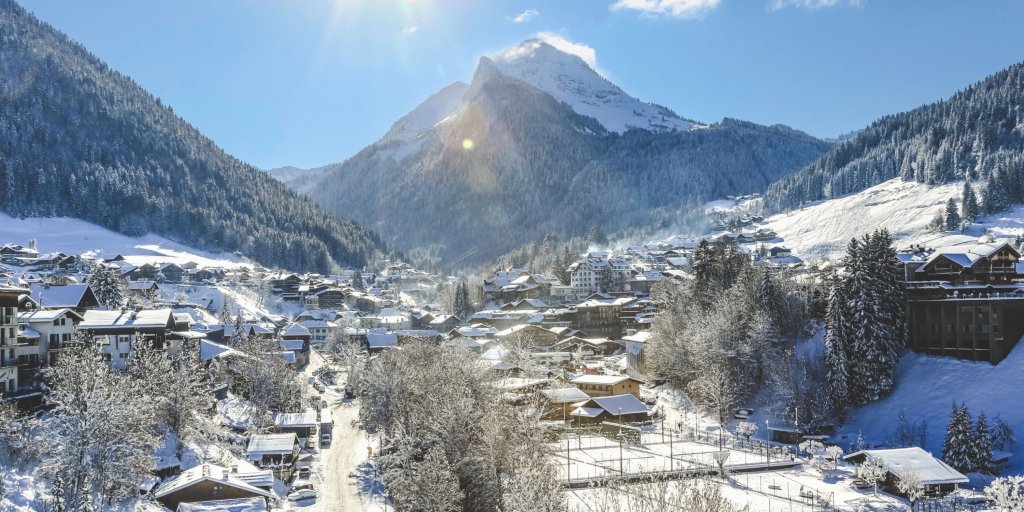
column 516, row 163
column 102, row 149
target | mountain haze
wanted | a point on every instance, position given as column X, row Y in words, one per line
column 539, row 143
column 78, row 139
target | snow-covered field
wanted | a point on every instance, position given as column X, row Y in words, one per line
column 821, row 231
column 928, row 385
column 73, row 236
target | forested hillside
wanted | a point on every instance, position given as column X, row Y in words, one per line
column 978, row 135
column 513, row 164
column 78, row 139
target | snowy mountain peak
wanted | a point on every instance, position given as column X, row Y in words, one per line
column 439, row 107
column 568, row 78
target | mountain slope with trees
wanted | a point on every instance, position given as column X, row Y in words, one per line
column 976, row 135
column 79, row 139
column 512, row 164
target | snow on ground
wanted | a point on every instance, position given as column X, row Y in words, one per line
column 74, row 236
column 822, row 230
column 928, row 385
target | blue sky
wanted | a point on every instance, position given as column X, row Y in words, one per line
column 310, row 82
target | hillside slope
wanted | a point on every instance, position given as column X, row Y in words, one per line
column 81, row 140
column 540, row 144
column 977, row 135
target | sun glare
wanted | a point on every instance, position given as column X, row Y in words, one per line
column 467, row 144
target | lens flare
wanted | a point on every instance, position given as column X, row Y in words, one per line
column 467, row 144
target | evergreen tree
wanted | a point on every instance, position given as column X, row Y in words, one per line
column 357, row 280
column 982, row 452
column 960, row 440
column 952, row 216
column 837, row 326
column 970, row 203
column 110, row 289
column 606, row 283
column 874, row 313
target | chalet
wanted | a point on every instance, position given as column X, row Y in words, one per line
column 598, row 346
column 297, row 339
column 318, row 330
column 964, row 302
column 75, row 296
column 302, row 424
column 276, row 452
column 607, row 385
column 936, row 476
column 145, row 271
column 529, row 335
column 559, row 403
column 143, row 290
column 9, row 339
column 618, row 408
column 330, row 298
column 17, row 251
column 207, row 482
column 116, row 332
column 444, row 323
column 169, row 273
column 779, row 252
column 54, row 260
column 421, row 319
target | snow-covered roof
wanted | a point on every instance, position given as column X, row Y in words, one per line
column 292, row 344
column 619, row 404
column 638, row 337
column 587, row 412
column 295, row 419
column 231, row 505
column 271, row 444
column 46, row 315
column 218, row 474
column 147, row 318
column 65, row 296
column 564, row 395
column 142, row 285
column 607, row 380
column 931, row 470
column 381, row 339
column 295, row 330
column 209, row 350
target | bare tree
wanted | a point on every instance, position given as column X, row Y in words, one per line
column 909, row 483
column 873, row 471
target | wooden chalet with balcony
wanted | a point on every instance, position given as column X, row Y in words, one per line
column 964, row 302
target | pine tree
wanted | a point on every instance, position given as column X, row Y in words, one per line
column 952, row 216
column 836, row 346
column 108, row 286
column 357, row 280
column 982, row 452
column 970, row 203
column 960, row 440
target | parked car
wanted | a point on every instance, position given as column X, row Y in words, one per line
column 325, row 439
column 302, row 495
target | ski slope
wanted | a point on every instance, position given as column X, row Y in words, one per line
column 74, row 236
column 822, row 230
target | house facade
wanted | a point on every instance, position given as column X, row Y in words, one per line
column 964, row 303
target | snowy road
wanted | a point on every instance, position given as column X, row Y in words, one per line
column 346, row 484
